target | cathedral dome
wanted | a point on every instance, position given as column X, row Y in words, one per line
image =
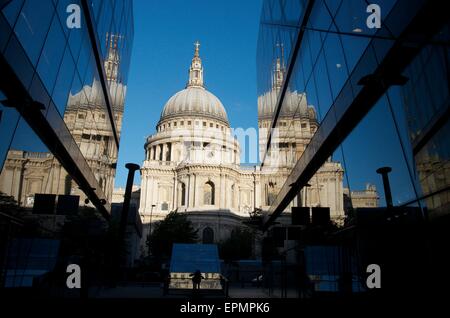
column 295, row 104
column 195, row 100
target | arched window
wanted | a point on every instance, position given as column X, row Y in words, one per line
column 208, row 235
column 208, row 193
column 183, row 194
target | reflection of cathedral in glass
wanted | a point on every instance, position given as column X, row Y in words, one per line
column 26, row 173
column 297, row 123
column 87, row 119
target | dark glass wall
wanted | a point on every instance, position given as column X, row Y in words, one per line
column 404, row 130
column 327, row 125
column 425, row 99
column 79, row 78
column 330, row 37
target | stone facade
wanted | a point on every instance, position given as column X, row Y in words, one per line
column 367, row 198
column 192, row 162
column 28, row 172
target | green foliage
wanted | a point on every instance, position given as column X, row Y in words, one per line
column 238, row 245
column 175, row 228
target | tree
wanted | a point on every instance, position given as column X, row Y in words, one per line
column 237, row 246
column 175, row 228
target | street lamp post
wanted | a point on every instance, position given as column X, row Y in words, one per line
column 127, row 198
column 384, row 171
column 121, row 260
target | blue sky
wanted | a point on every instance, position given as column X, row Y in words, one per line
column 162, row 51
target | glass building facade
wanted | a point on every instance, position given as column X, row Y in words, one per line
column 337, row 93
column 63, row 79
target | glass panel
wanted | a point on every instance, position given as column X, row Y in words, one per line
column 369, row 148
column 84, row 57
column 118, row 11
column 8, row 122
column 336, row 63
column 11, row 11
column 61, row 9
column 96, row 6
column 427, row 85
column 64, row 81
column 51, row 55
column 18, row 61
column 333, row 5
column 68, row 74
column 4, row 36
column 275, row 12
column 395, row 99
column 104, row 26
column 352, row 16
column 88, row 121
column 433, row 171
column 76, row 38
column 32, row 26
column 293, row 11
column 31, row 170
column 39, row 94
column 320, row 17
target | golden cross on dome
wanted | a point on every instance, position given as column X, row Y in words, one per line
column 197, row 45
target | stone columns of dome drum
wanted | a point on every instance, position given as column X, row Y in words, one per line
column 143, row 197
column 175, row 191
column 194, row 190
column 188, row 195
column 169, row 152
column 164, row 152
column 155, row 195
column 157, row 152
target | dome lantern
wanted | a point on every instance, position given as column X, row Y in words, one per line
column 195, row 100
column 196, row 69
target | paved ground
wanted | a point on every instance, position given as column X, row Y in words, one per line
column 251, row 292
column 156, row 291
column 128, row 291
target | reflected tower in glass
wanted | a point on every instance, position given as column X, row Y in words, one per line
column 358, row 98
column 62, row 99
column 283, row 141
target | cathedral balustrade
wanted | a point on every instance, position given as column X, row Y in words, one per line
column 152, row 162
